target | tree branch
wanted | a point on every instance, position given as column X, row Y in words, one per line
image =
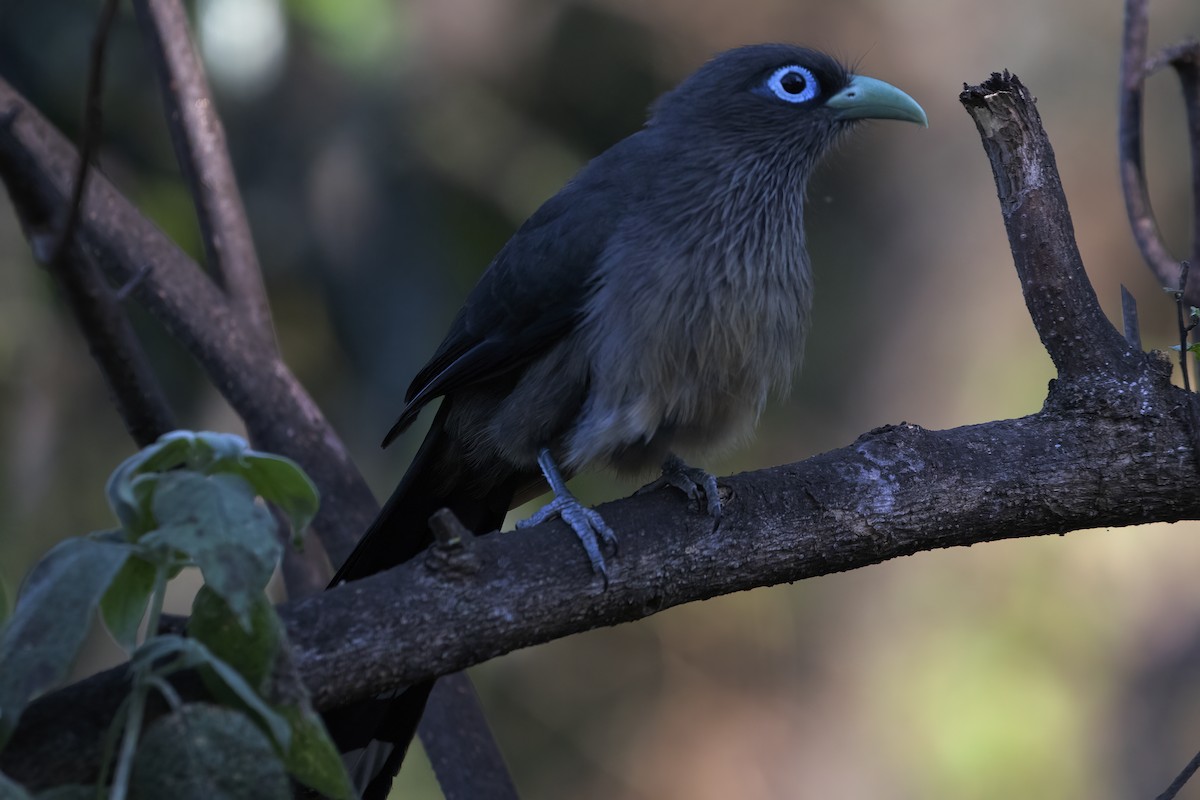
column 135, row 389
column 1103, row 454
column 1187, row 68
column 36, row 164
column 90, row 135
column 1058, row 294
column 455, row 734
column 1134, row 70
column 1185, row 59
column 203, row 157
column 114, row 346
column 1181, row 779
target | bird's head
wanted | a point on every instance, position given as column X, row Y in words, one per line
column 780, row 95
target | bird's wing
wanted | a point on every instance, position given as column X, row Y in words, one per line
column 529, row 298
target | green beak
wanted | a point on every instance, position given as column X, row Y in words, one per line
column 867, row 98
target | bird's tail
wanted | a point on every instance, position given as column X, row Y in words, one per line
column 373, row 735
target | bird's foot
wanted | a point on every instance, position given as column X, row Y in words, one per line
column 589, row 527
column 694, row 482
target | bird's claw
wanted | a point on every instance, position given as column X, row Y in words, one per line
column 589, row 527
column 694, row 482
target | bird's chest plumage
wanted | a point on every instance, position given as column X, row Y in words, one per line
column 687, row 335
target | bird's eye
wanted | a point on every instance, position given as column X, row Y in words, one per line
column 793, row 84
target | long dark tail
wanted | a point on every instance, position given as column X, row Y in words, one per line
column 374, row 735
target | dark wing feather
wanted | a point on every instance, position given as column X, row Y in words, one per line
column 529, row 298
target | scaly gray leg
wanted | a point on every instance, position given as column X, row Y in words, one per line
column 588, row 525
column 692, row 481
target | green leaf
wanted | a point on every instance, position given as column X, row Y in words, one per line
column 11, row 790
column 194, row 655
column 277, row 479
column 173, row 449
column 130, row 489
column 124, row 604
column 216, row 521
column 280, row 481
column 275, row 724
column 205, row 752
column 221, row 446
column 132, row 484
column 50, row 621
column 313, row 759
column 256, row 655
column 196, row 450
column 120, row 495
column 250, row 652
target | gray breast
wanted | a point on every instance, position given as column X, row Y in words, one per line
column 694, row 318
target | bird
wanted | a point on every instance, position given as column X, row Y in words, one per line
column 647, row 309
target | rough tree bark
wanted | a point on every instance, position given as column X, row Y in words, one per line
column 1114, row 444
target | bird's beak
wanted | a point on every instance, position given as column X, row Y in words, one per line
column 867, row 98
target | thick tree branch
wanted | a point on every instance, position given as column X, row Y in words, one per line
column 1103, row 453
column 36, row 165
column 203, row 158
column 1060, row 299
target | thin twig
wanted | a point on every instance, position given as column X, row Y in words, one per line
column 1187, row 50
column 1182, row 315
column 1186, row 61
column 1129, row 319
column 1133, row 177
column 203, row 157
column 1135, row 67
column 1181, row 779
column 122, row 293
column 89, row 138
column 115, row 347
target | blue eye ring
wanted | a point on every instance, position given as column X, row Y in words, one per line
column 793, row 84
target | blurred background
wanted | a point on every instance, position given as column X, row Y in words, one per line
column 387, row 149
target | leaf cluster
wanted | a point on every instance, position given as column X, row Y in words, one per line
column 191, row 499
